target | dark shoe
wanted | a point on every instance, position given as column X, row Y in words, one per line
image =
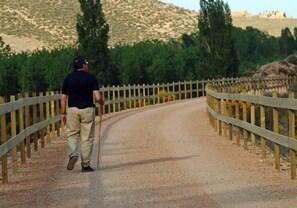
column 87, row 169
column 72, row 162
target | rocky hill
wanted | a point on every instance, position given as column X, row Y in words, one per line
column 31, row 24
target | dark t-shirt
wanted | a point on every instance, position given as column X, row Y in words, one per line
column 79, row 86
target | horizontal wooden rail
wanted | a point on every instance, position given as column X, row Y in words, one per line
column 233, row 105
column 39, row 121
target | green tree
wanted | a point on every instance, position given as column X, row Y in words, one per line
column 218, row 57
column 295, row 36
column 5, row 49
column 287, row 42
column 92, row 30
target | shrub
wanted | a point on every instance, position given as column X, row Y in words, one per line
column 292, row 59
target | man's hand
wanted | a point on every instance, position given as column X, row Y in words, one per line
column 64, row 119
column 101, row 102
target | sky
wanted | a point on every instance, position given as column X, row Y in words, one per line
column 251, row 6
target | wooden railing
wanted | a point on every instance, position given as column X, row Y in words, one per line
column 260, row 112
column 29, row 123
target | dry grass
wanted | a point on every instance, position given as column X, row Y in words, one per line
column 51, row 23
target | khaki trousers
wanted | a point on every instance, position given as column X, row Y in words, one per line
column 81, row 125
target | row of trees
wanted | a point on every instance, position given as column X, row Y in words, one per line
column 217, row 50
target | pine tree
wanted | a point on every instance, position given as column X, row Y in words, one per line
column 218, row 56
column 92, row 30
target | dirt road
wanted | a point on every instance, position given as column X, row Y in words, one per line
column 160, row 156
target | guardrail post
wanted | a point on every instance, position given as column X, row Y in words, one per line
column 292, row 135
column 276, row 130
column 3, row 140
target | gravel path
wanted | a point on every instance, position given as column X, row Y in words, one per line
column 160, row 156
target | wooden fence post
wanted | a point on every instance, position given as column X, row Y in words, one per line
column 185, row 89
column 173, row 91
column 203, row 88
column 191, row 89
column 13, row 133
column 119, row 98
column 113, row 99
column 154, row 94
column 148, row 94
column 103, row 97
column 130, row 101
column 168, row 92
column 276, row 130
column 27, row 124
column 48, row 136
column 41, row 116
column 244, row 117
column 292, row 135
column 179, row 91
column 58, row 124
column 197, row 88
column 3, row 140
column 262, row 120
column 224, row 104
column 253, row 121
column 134, row 95
column 237, row 129
column 138, row 95
column 143, row 94
column 53, row 115
column 35, row 135
column 21, row 128
column 158, row 92
column 108, row 97
column 125, row 102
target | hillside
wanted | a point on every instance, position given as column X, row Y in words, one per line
column 31, row 24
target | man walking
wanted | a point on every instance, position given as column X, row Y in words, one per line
column 79, row 87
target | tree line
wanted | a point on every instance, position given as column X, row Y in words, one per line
column 217, row 49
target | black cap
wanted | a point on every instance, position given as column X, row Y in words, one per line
column 78, row 62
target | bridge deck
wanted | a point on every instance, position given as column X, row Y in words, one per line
column 159, row 156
